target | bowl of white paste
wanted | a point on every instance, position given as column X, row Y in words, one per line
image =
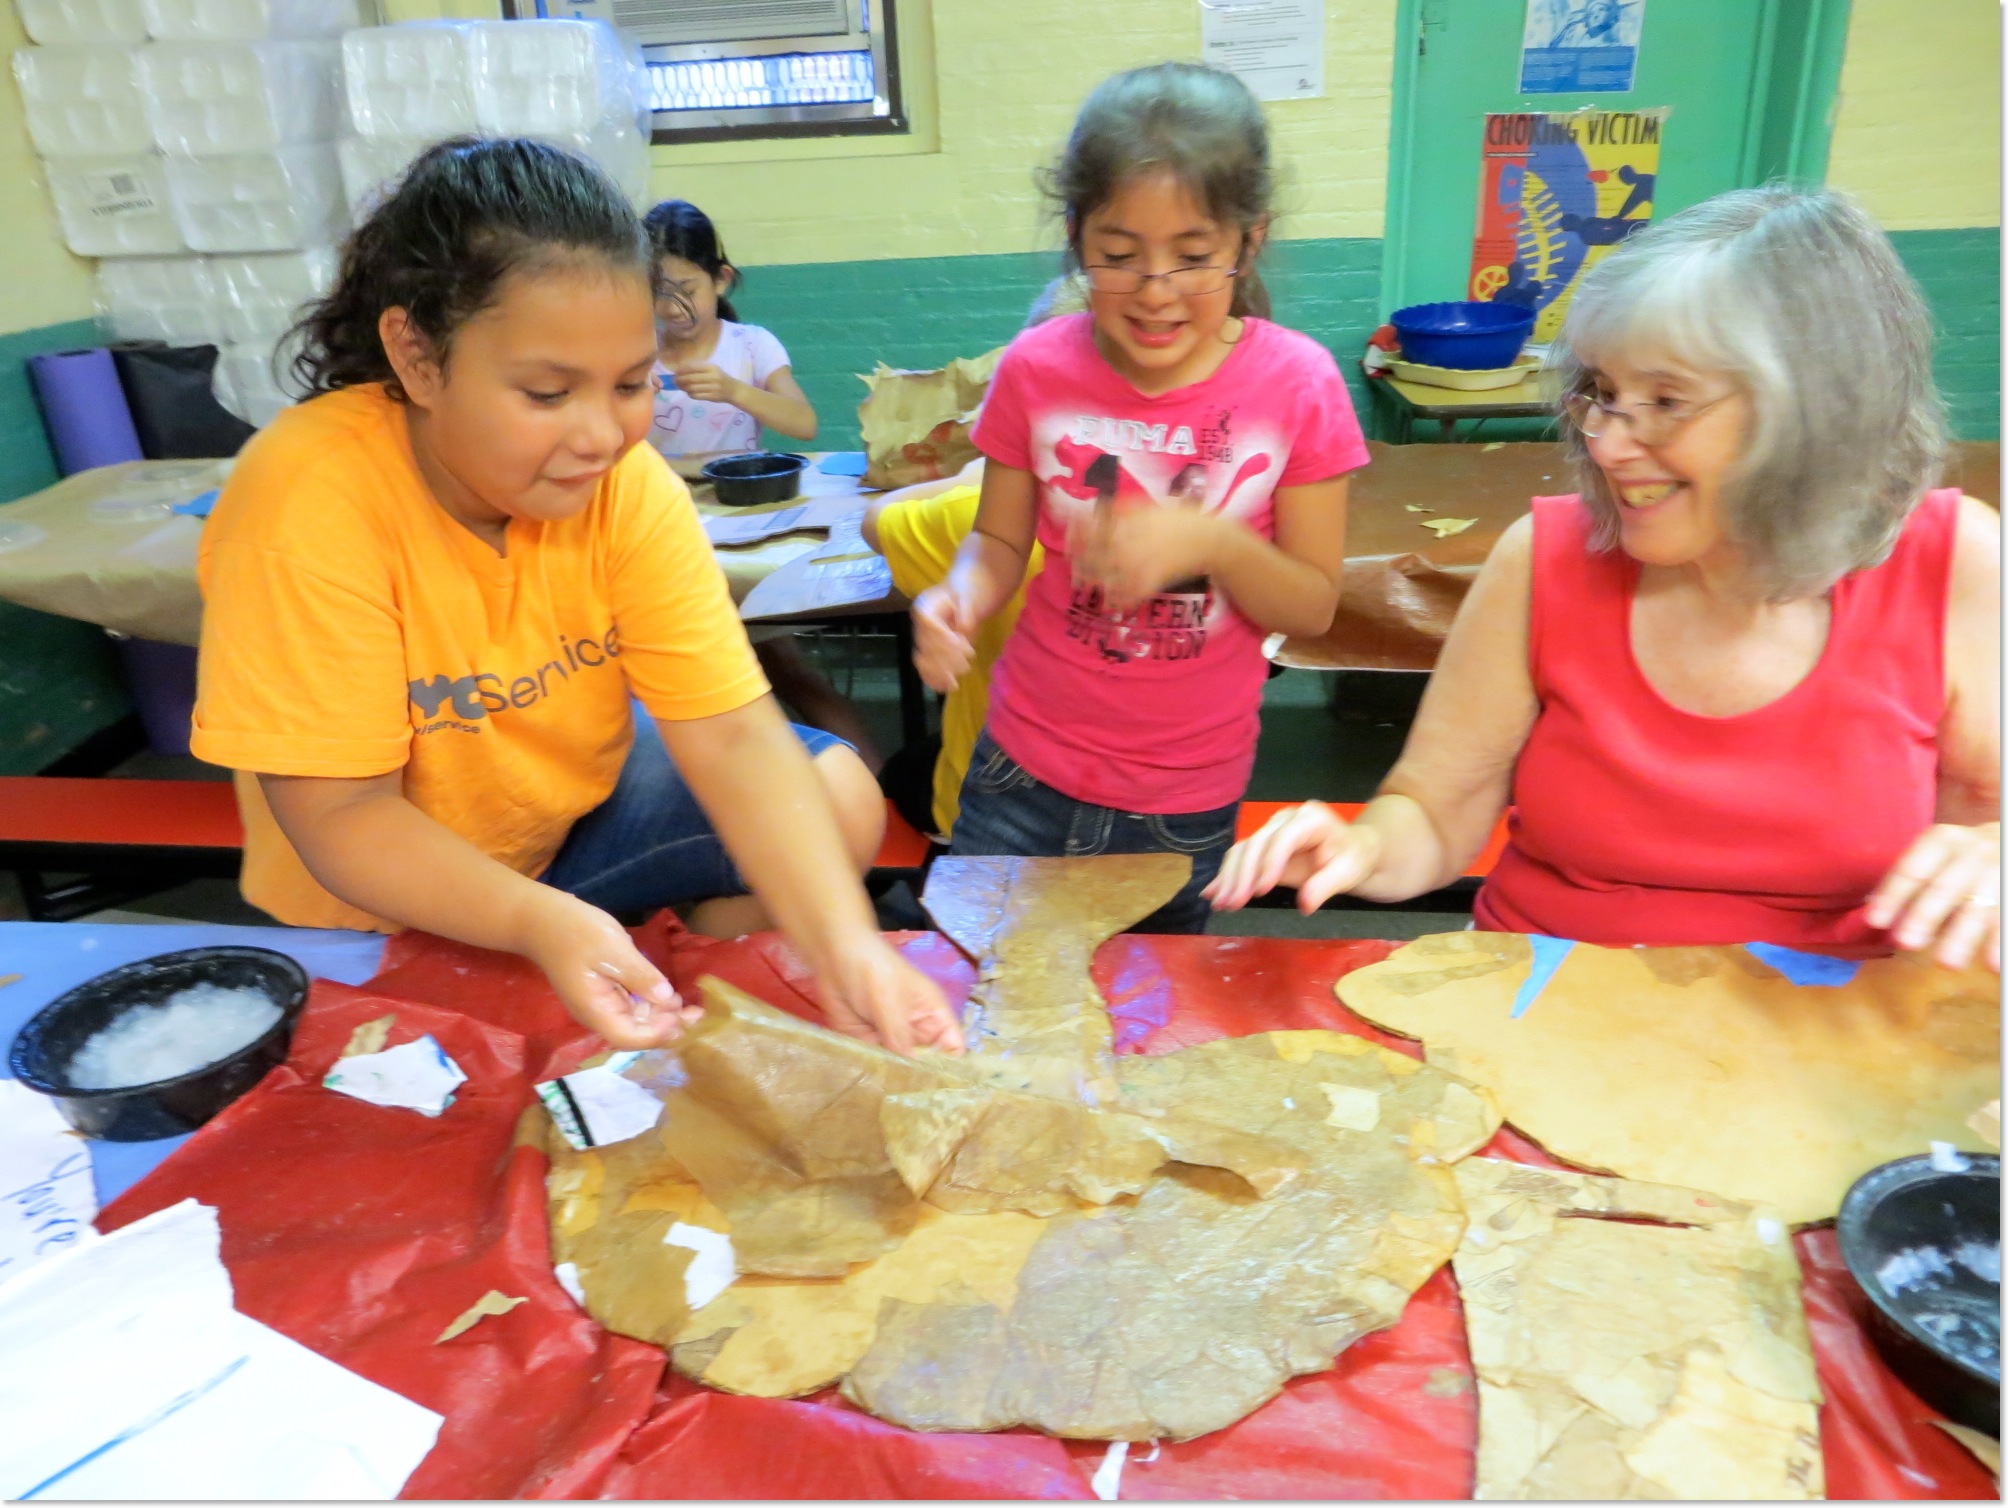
column 158, row 1047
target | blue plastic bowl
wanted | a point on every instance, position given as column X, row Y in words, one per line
column 1466, row 336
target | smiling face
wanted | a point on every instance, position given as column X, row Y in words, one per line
column 689, row 304
column 1669, row 493
column 1158, row 337
column 541, row 393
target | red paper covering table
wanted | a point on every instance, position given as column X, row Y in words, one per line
column 362, row 1231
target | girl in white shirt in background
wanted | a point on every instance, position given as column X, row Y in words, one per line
column 721, row 380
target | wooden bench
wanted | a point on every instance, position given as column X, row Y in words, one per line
column 125, row 839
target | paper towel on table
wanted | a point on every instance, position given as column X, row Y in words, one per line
column 596, row 1107
column 130, row 1375
column 415, row 1076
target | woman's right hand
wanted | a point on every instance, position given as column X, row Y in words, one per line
column 600, row 975
column 1310, row 846
column 943, row 627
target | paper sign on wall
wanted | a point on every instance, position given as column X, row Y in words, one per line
column 1275, row 47
column 1556, row 192
column 1580, row 46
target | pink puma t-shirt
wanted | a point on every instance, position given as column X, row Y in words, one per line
column 1156, row 709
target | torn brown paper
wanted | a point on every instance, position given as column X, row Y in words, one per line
column 1032, row 926
column 1633, row 1341
column 1703, row 1067
column 1985, row 1448
column 494, row 1301
column 915, row 425
column 1187, row 1309
column 1986, row 1124
column 1150, row 1252
column 369, row 1037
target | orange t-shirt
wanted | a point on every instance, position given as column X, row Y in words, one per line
column 351, row 627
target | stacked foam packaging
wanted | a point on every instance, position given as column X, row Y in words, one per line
column 574, row 83
column 212, row 153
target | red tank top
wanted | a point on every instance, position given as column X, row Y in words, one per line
column 1636, row 822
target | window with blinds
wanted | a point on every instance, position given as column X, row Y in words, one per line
column 725, row 69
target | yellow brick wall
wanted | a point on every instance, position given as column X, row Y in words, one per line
column 1917, row 127
column 995, row 83
column 1010, row 75
column 40, row 282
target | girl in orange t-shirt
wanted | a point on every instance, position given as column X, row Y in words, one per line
column 436, row 591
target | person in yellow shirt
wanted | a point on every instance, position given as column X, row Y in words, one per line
column 918, row 529
column 436, row 590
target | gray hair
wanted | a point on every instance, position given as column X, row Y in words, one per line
column 1799, row 298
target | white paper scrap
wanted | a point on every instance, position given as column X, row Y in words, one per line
column 1108, row 1478
column 751, row 528
column 130, row 1375
column 596, row 1107
column 729, row 530
column 567, row 1274
column 1353, row 1108
column 1276, row 47
column 47, row 1198
column 414, row 1076
column 846, row 542
column 711, row 1270
column 1946, row 1158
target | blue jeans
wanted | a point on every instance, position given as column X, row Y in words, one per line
column 649, row 844
column 1006, row 811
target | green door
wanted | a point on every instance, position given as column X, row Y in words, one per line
column 1748, row 84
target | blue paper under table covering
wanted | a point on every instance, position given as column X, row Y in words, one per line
column 52, row 957
column 84, row 408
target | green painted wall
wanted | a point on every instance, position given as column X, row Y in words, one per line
column 838, row 318
column 1960, row 273
column 59, row 680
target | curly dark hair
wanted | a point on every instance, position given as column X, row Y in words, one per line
column 466, row 214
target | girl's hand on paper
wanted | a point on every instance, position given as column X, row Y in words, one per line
column 869, row 991
column 601, row 976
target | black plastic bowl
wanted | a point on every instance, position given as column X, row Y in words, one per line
column 766, row 476
column 1941, row 1336
column 40, row 1057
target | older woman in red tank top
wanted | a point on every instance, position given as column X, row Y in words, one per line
column 1745, row 687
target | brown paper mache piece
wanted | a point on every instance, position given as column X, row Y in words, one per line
column 1633, row 1340
column 1039, row 1233
column 1704, row 1068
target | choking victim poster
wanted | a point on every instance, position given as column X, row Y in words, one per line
column 1555, row 193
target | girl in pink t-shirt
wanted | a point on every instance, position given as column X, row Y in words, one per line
column 1183, row 462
